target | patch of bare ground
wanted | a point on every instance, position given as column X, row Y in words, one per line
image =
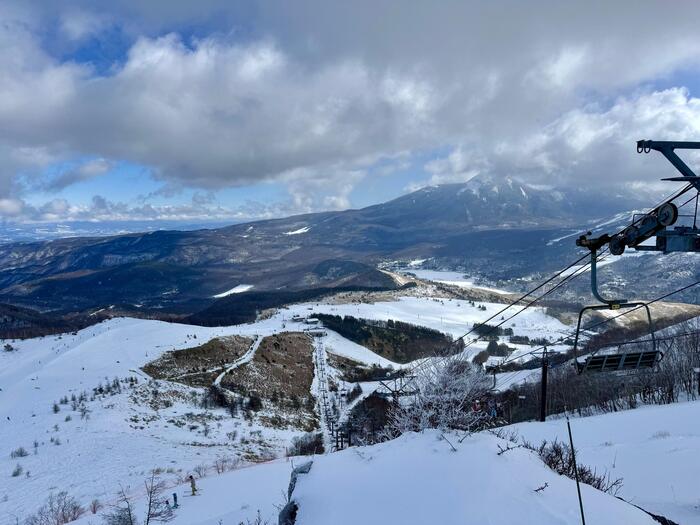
column 353, row 371
column 198, row 366
column 280, row 376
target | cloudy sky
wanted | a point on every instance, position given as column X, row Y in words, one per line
column 169, row 109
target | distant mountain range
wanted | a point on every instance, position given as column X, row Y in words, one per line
column 45, row 231
column 497, row 229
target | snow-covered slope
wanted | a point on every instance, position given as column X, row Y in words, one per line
column 417, row 479
column 655, row 449
column 123, row 434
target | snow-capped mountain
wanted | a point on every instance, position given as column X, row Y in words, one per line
column 498, row 228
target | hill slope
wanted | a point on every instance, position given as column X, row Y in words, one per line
column 478, row 223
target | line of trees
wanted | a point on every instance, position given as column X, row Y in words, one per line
column 395, row 340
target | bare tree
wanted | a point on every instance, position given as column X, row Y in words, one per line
column 446, row 391
column 157, row 508
column 201, row 470
column 59, row 509
column 221, row 464
column 122, row 512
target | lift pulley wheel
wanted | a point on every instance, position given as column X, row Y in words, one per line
column 667, row 214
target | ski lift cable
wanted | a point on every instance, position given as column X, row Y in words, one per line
column 605, row 321
column 579, row 271
column 585, row 268
column 566, row 279
column 506, row 378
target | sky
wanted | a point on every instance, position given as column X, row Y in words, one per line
column 220, row 110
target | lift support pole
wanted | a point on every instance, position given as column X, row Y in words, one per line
column 543, row 383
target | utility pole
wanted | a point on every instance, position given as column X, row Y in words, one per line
column 543, row 383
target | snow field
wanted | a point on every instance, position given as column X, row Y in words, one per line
column 418, row 479
column 123, row 438
column 655, row 449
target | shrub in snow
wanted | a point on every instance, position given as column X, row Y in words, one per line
column 558, row 456
column 200, row 470
column 17, row 471
column 20, row 452
column 255, row 403
column 447, row 390
column 59, row 509
column 223, row 464
column 306, row 445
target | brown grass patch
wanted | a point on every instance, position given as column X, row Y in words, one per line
column 198, row 366
column 281, row 367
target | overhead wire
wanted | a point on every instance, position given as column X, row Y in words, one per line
column 604, row 321
column 565, row 280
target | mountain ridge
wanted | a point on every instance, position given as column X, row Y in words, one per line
column 467, row 224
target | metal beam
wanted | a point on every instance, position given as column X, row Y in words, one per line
column 666, row 148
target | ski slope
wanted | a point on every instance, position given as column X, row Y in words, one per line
column 417, row 479
column 452, row 278
column 124, row 436
column 655, row 449
column 451, row 316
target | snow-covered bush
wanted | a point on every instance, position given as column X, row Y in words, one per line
column 223, row 464
column 201, row 470
column 447, row 390
column 17, row 471
column 122, row 512
column 559, row 457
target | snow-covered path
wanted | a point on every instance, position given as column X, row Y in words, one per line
column 245, row 358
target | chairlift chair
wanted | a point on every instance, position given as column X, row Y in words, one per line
column 611, row 361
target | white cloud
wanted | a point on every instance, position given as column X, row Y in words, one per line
column 308, row 100
column 77, row 24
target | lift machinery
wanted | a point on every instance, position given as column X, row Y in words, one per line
column 656, row 224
